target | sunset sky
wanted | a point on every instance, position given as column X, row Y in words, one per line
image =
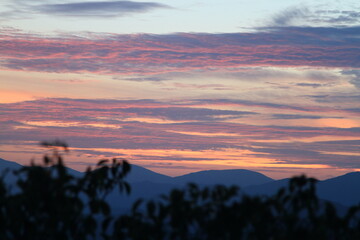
column 184, row 86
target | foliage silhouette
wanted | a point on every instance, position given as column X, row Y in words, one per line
column 50, row 203
column 222, row 213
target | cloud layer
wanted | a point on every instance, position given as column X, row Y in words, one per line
column 22, row 9
column 153, row 54
column 183, row 131
column 277, row 98
column 97, row 9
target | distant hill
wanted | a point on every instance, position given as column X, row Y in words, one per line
column 139, row 190
column 10, row 166
column 343, row 189
column 141, row 174
column 239, row 177
column 268, row 188
column 4, row 164
column 146, row 184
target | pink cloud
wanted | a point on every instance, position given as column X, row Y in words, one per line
column 153, row 54
column 150, row 130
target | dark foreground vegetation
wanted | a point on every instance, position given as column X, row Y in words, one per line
column 48, row 202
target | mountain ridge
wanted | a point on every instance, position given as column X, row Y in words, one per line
column 344, row 189
column 240, row 177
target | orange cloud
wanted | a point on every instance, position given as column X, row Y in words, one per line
column 182, row 133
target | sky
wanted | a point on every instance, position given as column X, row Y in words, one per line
column 184, row 86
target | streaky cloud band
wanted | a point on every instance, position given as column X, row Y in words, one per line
column 97, row 9
column 149, row 54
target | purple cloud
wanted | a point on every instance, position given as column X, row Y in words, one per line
column 97, row 9
column 150, row 54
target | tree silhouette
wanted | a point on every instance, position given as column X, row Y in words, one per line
column 48, row 202
column 222, row 212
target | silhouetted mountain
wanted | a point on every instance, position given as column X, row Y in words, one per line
column 268, row 188
column 139, row 190
column 147, row 184
column 344, row 189
column 239, row 177
column 141, row 174
column 4, row 164
column 10, row 166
